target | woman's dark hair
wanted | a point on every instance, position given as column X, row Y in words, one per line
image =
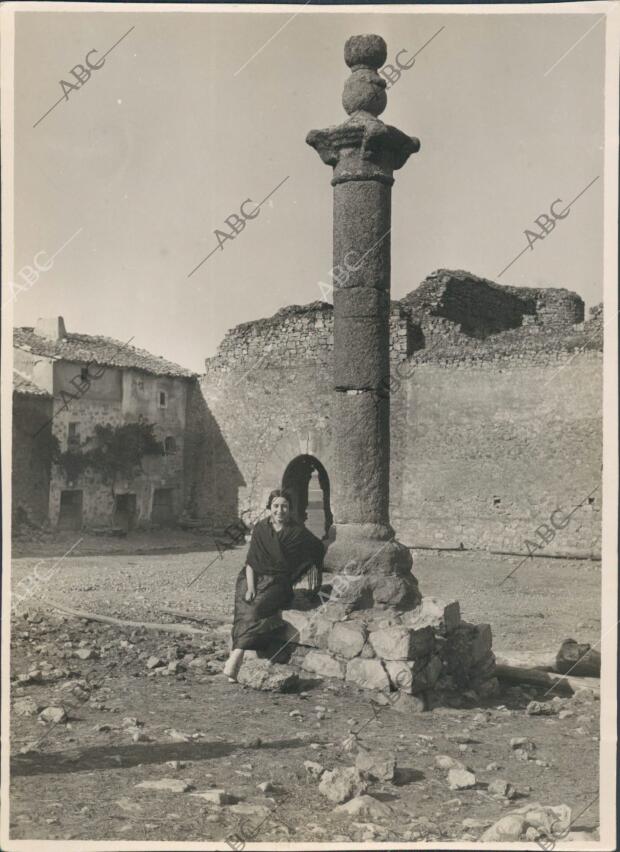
column 280, row 492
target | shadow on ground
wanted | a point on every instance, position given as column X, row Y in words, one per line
column 107, row 757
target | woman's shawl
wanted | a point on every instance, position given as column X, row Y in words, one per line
column 291, row 551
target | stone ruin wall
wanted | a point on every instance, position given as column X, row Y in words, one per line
column 490, row 433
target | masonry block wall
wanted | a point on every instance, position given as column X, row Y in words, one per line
column 266, row 417
column 31, row 458
column 496, row 413
column 489, row 451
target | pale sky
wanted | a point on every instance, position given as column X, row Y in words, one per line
column 169, row 137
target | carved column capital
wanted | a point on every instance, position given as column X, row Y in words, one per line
column 363, row 148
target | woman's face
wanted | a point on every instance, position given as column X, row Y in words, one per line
column 279, row 509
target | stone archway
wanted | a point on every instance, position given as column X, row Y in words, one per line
column 307, row 480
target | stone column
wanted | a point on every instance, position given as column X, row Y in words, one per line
column 364, row 152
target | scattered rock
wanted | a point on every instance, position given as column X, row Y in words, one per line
column 178, row 736
column 523, row 743
column 378, row 765
column 444, row 761
column 505, row 829
column 482, row 718
column 154, row 663
column 138, row 736
column 252, row 742
column 462, row 738
column 126, row 804
column 217, row 797
column 340, row 785
column 566, row 714
column 461, row 779
column 476, row 823
column 86, row 654
column 172, row 785
column 540, row 708
column 267, row 787
column 315, row 770
column 501, row 789
column 53, row 715
column 259, row 674
column 365, row 807
column 248, row 809
column 25, row 707
column 552, row 820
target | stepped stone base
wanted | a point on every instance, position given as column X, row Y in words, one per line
column 427, row 651
column 371, row 568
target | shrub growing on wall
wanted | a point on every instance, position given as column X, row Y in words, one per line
column 114, row 452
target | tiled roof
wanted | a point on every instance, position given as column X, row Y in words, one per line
column 82, row 348
column 23, row 384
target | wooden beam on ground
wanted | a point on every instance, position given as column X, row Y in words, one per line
column 204, row 619
column 147, row 625
column 532, row 677
column 558, row 684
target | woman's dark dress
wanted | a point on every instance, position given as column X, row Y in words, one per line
column 279, row 560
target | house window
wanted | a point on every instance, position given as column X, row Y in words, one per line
column 162, row 399
column 170, row 445
column 73, row 439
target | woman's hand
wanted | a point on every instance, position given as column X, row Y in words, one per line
column 250, row 594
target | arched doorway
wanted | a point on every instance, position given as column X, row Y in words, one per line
column 307, row 480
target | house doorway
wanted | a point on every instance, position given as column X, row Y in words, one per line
column 163, row 506
column 124, row 511
column 307, row 480
column 70, row 516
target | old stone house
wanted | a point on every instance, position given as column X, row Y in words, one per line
column 85, row 381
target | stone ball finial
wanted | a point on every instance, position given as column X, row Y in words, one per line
column 368, row 51
column 364, row 91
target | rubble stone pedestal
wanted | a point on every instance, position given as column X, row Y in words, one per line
column 428, row 651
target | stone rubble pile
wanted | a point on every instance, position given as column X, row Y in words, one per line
column 427, row 650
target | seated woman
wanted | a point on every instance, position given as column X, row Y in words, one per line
column 281, row 552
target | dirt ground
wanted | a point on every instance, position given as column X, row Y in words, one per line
column 128, row 724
